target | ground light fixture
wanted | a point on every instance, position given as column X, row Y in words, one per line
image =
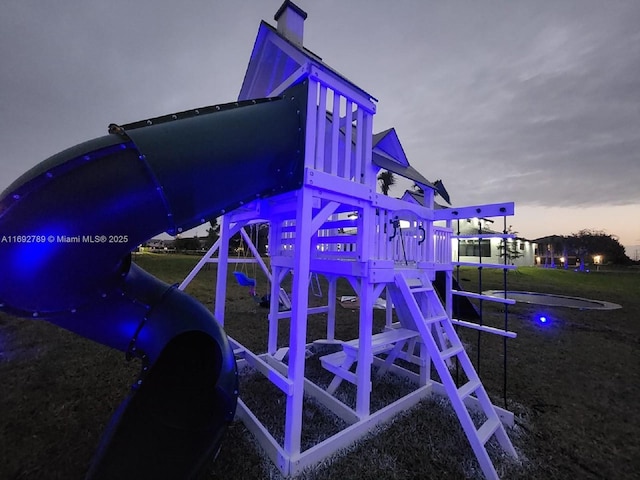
column 542, row 318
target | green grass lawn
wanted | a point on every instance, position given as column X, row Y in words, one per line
column 573, row 383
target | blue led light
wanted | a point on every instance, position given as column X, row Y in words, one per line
column 542, row 319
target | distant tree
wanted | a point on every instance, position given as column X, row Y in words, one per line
column 263, row 238
column 584, row 245
column 182, row 244
column 580, row 245
column 509, row 249
column 213, row 233
column 387, row 180
column 587, row 243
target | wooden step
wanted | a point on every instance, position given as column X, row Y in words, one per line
column 468, row 388
column 381, row 342
column 487, row 429
column 415, row 290
column 338, row 363
column 417, row 285
column 436, row 319
column 333, row 359
column 451, row 352
column 341, row 361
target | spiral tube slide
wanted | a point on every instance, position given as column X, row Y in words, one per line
column 68, row 226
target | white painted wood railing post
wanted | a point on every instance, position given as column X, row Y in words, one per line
column 359, row 146
column 321, row 122
column 368, row 178
column 346, row 173
column 431, row 241
column 335, row 131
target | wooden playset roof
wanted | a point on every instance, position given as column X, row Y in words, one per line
column 274, row 58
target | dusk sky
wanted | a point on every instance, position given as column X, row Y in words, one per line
column 536, row 102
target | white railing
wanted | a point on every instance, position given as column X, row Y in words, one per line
column 343, row 122
column 415, row 241
column 337, row 237
column 404, row 239
column 409, row 246
column 284, row 236
column 442, row 245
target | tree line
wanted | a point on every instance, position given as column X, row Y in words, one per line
column 584, row 245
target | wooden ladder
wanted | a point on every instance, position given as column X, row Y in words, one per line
column 419, row 307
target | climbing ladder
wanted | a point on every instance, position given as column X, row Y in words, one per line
column 419, row 308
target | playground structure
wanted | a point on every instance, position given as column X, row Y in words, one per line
column 302, row 136
column 337, row 226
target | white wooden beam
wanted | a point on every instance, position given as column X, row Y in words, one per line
column 347, row 91
column 291, row 80
column 203, row 261
column 483, row 211
column 298, row 324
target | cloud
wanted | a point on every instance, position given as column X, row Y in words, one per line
column 556, row 123
column 535, row 102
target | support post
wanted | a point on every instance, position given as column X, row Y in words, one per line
column 365, row 356
column 274, row 304
column 331, row 303
column 223, row 263
column 298, row 333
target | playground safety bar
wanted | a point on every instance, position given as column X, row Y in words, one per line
column 69, row 225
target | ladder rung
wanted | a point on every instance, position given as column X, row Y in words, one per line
column 487, row 429
column 436, row 319
column 452, row 351
column 422, row 288
column 383, row 341
column 418, row 284
column 468, row 388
